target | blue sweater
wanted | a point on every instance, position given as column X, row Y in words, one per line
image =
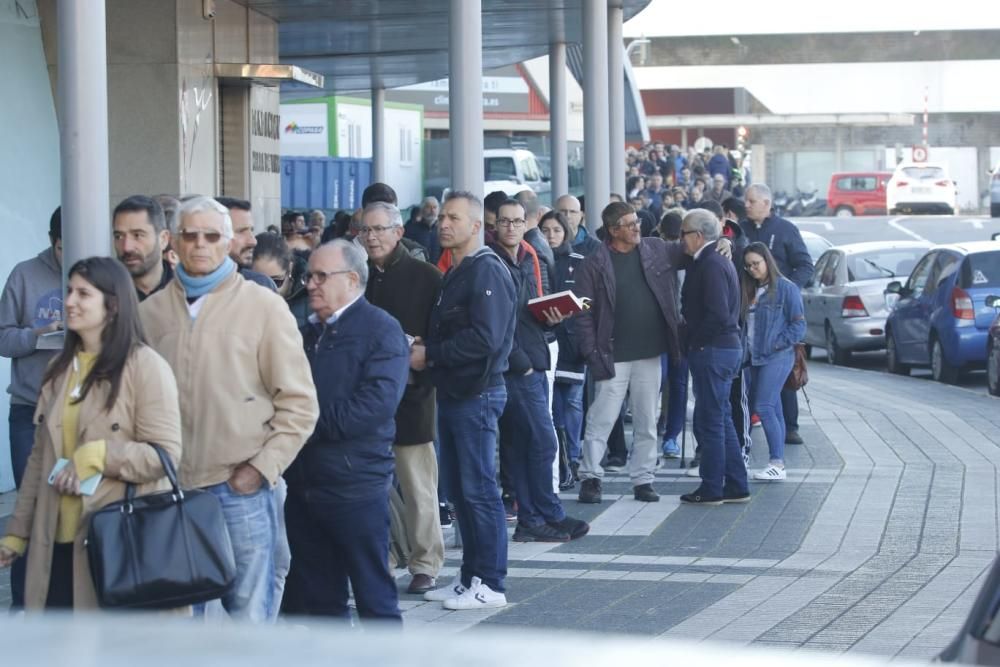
column 710, row 302
column 360, row 365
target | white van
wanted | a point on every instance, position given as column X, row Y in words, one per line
column 511, row 169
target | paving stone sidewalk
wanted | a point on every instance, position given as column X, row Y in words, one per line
column 876, row 543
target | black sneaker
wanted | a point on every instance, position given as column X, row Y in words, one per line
column 736, row 497
column 542, row 533
column 447, row 516
column 697, row 498
column 793, row 438
column 645, row 493
column 614, row 464
column 590, row 491
column 509, row 507
column 574, row 527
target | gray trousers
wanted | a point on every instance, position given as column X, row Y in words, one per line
column 640, row 380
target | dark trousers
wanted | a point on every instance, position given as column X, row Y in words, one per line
column 739, row 401
column 61, row 578
column 529, row 442
column 21, row 421
column 790, row 408
column 333, row 542
column 722, row 468
column 467, row 429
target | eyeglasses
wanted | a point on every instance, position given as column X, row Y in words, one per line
column 685, row 232
column 377, row 230
column 320, row 276
column 516, row 223
column 750, row 266
column 634, row 224
column 191, row 235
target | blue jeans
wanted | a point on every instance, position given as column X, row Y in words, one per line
column 253, row 527
column 442, row 487
column 336, row 542
column 674, row 380
column 21, row 421
column 567, row 414
column 282, row 552
column 467, row 429
column 722, row 468
column 765, row 397
column 526, row 433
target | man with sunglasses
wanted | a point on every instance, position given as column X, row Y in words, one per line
column 247, row 397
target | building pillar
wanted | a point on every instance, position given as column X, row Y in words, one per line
column 616, row 97
column 684, row 140
column 378, row 135
column 465, row 95
column 595, row 110
column 558, row 112
column 83, row 130
column 838, row 148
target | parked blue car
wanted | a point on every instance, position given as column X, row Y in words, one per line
column 941, row 318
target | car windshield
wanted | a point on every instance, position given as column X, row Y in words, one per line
column 500, row 169
column 889, row 263
column 924, row 173
column 981, row 269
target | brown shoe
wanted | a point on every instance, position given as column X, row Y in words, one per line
column 421, row 583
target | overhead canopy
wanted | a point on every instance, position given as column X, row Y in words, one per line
column 358, row 46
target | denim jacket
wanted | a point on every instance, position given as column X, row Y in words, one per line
column 779, row 322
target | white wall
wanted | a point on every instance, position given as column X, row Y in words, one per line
column 29, row 163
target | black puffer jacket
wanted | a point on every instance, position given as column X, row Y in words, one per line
column 571, row 364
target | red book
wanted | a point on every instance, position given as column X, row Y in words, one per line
column 566, row 302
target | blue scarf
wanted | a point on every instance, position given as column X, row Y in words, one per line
column 201, row 285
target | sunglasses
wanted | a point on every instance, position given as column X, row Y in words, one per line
column 191, row 236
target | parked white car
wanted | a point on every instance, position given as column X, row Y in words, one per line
column 921, row 187
column 511, row 169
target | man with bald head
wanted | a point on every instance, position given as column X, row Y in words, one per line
column 337, row 510
column 570, row 207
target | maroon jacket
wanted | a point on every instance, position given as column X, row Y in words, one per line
column 596, row 281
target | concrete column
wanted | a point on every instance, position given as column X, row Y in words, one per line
column 558, row 112
column 838, row 148
column 684, row 140
column 465, row 94
column 616, row 98
column 83, row 130
column 595, row 109
column 378, row 135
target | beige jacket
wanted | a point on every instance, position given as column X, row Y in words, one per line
column 146, row 411
column 246, row 390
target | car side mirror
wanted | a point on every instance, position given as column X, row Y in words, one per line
column 895, row 287
column 993, row 301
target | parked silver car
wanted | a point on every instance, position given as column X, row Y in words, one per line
column 845, row 303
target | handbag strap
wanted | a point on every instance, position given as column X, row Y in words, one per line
column 168, row 468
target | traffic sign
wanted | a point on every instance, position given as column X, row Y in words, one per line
column 919, row 154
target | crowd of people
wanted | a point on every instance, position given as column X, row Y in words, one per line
column 315, row 376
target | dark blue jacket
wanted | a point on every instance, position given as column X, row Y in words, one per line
column 584, row 243
column 472, row 326
column 719, row 164
column 786, row 244
column 779, row 322
column 418, row 231
column 530, row 350
column 360, row 365
column 571, row 364
column 710, row 302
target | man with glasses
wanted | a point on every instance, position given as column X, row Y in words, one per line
column 338, row 486
column 243, row 242
column 632, row 320
column 247, row 397
column 466, row 350
column 583, row 243
column 710, row 303
column 407, row 288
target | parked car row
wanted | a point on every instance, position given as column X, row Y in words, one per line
column 913, row 187
column 926, row 306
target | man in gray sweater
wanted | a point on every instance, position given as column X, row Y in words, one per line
column 31, row 306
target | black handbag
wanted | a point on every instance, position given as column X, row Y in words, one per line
column 162, row 550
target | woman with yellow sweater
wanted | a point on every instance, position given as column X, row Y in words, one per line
column 103, row 400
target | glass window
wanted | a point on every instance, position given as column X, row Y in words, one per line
column 893, row 263
column 918, row 279
column 500, row 169
column 981, row 270
column 820, row 267
column 829, row 275
column 945, row 266
column 924, row 173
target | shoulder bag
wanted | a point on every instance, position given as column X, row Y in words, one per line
column 799, row 377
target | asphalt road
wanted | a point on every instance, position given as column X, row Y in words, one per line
column 932, row 228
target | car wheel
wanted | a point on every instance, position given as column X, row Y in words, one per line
column 844, row 212
column 895, row 366
column 995, row 210
column 941, row 370
column 993, row 370
column 834, row 353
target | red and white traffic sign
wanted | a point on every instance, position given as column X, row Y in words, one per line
column 919, row 154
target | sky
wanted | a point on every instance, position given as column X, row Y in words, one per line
column 951, row 86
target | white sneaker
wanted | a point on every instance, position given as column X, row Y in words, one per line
column 693, row 472
column 452, row 590
column 771, row 473
column 478, row 596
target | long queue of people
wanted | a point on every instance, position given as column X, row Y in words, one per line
column 304, row 382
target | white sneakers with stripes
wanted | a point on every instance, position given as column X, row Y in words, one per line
column 771, row 473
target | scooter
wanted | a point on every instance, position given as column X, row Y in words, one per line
column 810, row 205
column 780, row 203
